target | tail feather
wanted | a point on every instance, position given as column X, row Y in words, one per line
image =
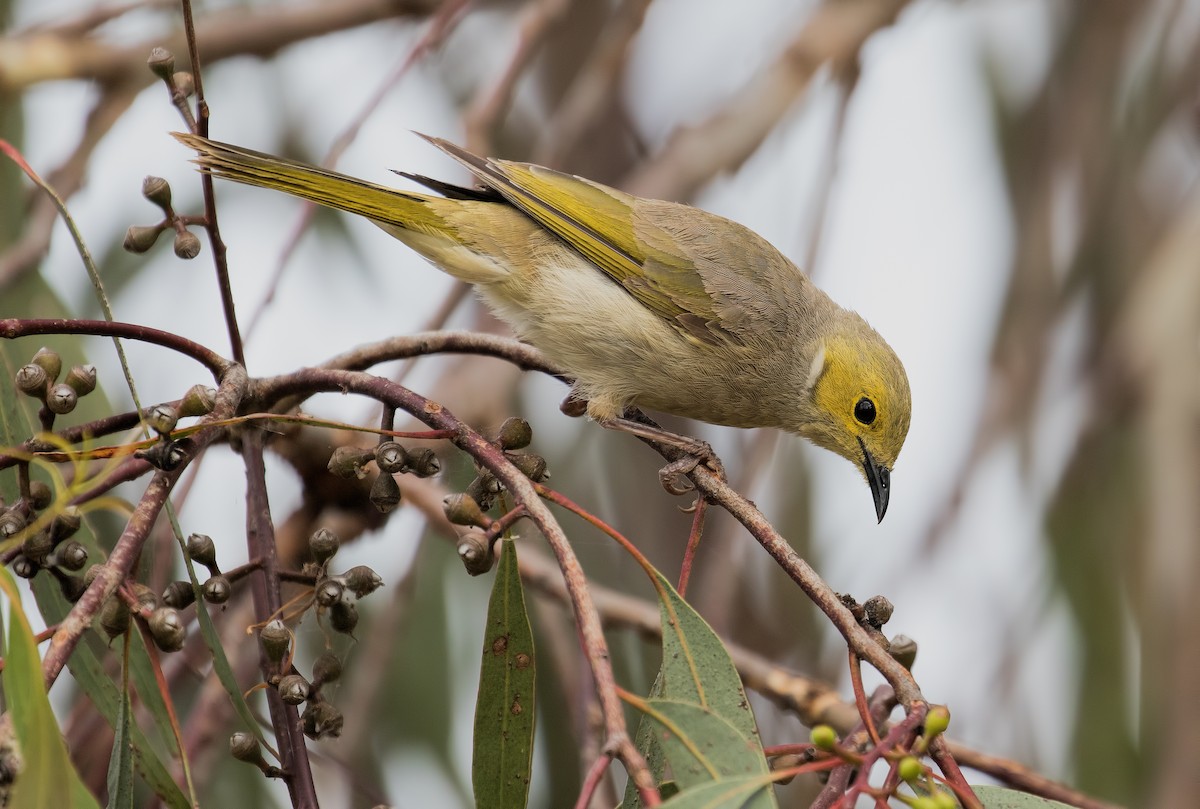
column 403, row 209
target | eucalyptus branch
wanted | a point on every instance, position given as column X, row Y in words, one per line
column 125, row 553
column 14, row 327
column 595, row 647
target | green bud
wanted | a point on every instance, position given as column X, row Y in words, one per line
column 909, row 769
column 936, row 721
column 944, row 800
column 824, row 738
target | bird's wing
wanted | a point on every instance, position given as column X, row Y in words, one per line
column 712, row 278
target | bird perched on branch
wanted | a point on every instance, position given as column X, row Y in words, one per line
column 646, row 303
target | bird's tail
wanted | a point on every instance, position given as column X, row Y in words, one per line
column 400, row 209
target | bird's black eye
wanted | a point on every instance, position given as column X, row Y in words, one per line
column 864, row 411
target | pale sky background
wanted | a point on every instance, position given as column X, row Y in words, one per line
column 916, row 239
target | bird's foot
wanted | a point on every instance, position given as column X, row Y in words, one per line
column 694, row 453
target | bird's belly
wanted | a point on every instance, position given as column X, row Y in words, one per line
column 619, row 352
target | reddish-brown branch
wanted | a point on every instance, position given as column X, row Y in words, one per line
column 13, row 327
column 595, row 647
column 129, row 545
column 264, row 587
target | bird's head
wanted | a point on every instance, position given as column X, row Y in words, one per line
column 860, row 403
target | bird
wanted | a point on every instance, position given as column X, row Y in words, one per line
column 644, row 303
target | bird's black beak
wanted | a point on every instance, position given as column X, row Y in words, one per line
column 880, row 480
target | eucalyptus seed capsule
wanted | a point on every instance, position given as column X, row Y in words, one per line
column 275, row 639
column 40, row 494
column 187, row 245
column 158, row 191
column 217, row 589
column 202, row 549
column 461, row 509
column 475, row 550
column 32, row 380
column 61, row 399
column 390, row 457
column 385, row 493
column 514, row 433
column 423, row 462
column 343, row 617
column 198, row 401
column 179, row 594
column 328, row 592
column 162, row 418
column 161, row 62
column 293, row 689
column 362, row 580
column 166, row 627
column 72, row 555
column 323, row 544
column 140, row 238
column 349, row 462
column 326, row 669
column 50, row 361
column 321, row 719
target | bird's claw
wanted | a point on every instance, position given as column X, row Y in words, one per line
column 673, row 476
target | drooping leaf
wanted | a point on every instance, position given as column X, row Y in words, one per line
column 1001, row 798
column 504, row 709
column 728, row 793
column 120, row 763
column 701, row 746
column 696, row 670
column 49, row 778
